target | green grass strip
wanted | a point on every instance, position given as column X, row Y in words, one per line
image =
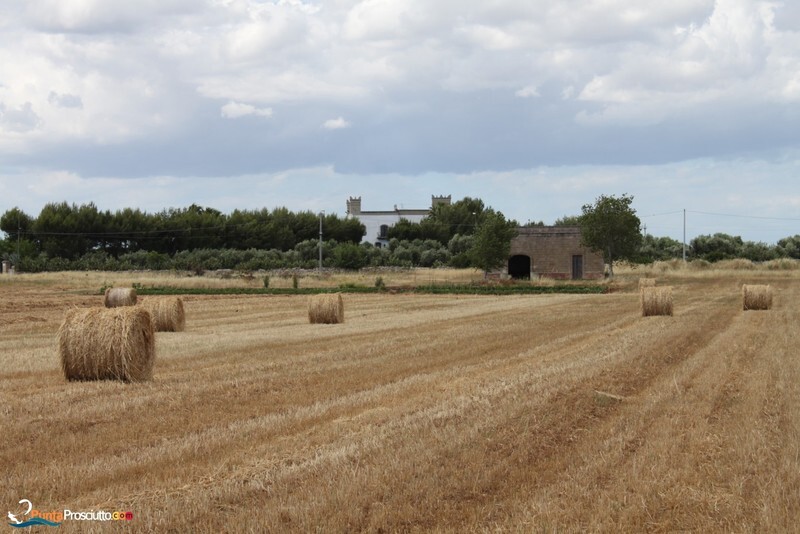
column 427, row 289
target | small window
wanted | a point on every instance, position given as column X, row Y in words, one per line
column 377, row 244
column 384, row 231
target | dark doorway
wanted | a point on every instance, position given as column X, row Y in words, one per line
column 519, row 267
column 577, row 267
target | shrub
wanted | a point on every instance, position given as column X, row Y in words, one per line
column 350, row 256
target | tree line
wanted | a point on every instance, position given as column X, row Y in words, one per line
column 465, row 233
column 610, row 226
column 716, row 247
column 69, row 231
column 81, row 237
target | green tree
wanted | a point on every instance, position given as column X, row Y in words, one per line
column 492, row 241
column 127, row 231
column 610, row 226
column 758, row 251
column 659, row 249
column 568, row 220
column 461, row 217
column 350, row 256
column 342, row 230
column 459, row 248
column 405, row 230
column 717, row 247
column 17, row 225
column 789, row 247
column 15, row 221
column 63, row 230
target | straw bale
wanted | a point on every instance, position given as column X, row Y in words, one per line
column 120, row 296
column 167, row 313
column 107, row 344
column 656, row 301
column 756, row 297
column 326, row 308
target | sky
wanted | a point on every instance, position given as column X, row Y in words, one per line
column 535, row 106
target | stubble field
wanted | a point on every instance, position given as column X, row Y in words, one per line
column 419, row 413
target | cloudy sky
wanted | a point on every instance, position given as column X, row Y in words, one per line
column 535, row 106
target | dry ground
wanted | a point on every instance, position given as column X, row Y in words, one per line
column 419, row 413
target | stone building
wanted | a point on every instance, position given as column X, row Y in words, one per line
column 553, row 252
column 379, row 222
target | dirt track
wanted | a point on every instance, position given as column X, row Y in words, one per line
column 419, row 413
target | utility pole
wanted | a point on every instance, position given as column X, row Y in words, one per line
column 684, row 235
column 321, row 214
column 19, row 231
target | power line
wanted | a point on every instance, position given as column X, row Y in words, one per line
column 661, row 214
column 745, row 216
column 676, row 212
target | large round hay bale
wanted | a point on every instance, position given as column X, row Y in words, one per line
column 326, row 308
column 107, row 344
column 120, row 296
column 656, row 301
column 756, row 297
column 167, row 313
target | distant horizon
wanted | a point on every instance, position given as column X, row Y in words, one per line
column 645, row 219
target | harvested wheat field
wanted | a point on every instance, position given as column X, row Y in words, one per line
column 445, row 413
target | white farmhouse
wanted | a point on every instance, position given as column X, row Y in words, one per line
column 379, row 222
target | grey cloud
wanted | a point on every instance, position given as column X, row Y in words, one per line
column 429, row 86
column 434, row 133
column 100, row 16
column 787, row 16
column 20, row 119
column 65, row 100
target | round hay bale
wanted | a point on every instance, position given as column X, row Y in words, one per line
column 120, row 296
column 326, row 308
column 107, row 344
column 756, row 297
column 167, row 313
column 656, row 301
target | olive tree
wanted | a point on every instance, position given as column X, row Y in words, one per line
column 611, row 227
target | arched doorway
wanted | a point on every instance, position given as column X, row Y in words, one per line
column 519, row 266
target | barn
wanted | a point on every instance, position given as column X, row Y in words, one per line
column 553, row 252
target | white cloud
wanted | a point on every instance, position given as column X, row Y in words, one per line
column 335, row 124
column 55, row 183
column 733, row 55
column 444, row 86
column 235, row 110
column 528, row 91
column 490, row 37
